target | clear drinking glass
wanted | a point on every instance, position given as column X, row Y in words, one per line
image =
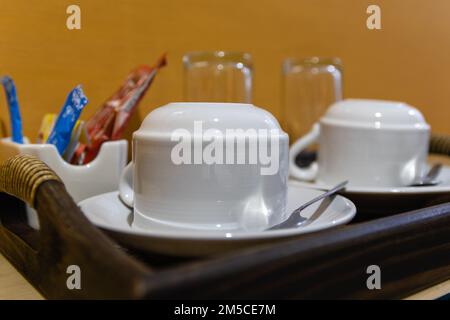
column 310, row 86
column 218, row 76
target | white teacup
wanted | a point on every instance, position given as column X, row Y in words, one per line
column 371, row 143
column 195, row 165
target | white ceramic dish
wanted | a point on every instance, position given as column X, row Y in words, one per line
column 442, row 188
column 110, row 214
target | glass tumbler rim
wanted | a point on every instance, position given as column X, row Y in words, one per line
column 219, row 56
column 312, row 61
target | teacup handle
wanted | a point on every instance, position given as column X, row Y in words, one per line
column 301, row 144
column 126, row 192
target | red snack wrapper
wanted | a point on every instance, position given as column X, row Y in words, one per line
column 111, row 119
column 133, row 91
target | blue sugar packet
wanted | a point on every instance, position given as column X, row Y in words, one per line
column 14, row 112
column 62, row 131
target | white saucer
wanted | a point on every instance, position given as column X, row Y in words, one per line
column 110, row 214
column 377, row 201
column 443, row 187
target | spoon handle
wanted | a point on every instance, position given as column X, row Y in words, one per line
column 434, row 172
column 330, row 192
column 294, row 217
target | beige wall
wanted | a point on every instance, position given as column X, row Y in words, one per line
column 408, row 60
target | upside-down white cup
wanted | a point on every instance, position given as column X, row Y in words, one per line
column 371, row 143
column 208, row 166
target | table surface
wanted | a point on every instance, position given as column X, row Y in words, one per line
column 14, row 286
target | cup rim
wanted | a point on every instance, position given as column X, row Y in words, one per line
column 379, row 115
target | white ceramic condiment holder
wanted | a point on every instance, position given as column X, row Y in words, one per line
column 99, row 176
